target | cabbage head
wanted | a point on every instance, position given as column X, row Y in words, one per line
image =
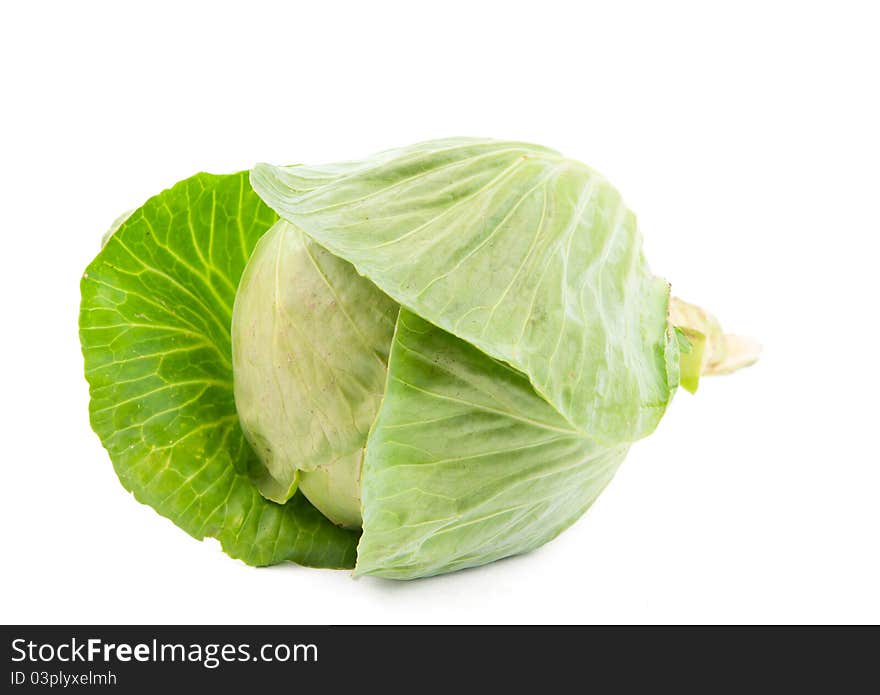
column 419, row 362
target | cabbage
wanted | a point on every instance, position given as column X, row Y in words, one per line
column 412, row 364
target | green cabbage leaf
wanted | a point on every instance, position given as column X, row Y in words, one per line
column 155, row 333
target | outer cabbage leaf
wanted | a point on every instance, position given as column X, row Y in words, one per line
column 530, row 257
column 466, row 464
column 310, row 342
column 155, row 333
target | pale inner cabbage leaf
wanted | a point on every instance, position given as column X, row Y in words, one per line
column 310, row 343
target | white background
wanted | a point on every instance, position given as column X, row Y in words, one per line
column 745, row 139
